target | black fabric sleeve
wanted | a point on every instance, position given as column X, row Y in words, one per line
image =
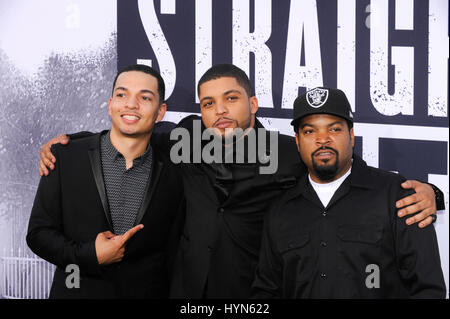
column 439, row 196
column 417, row 254
column 78, row 135
column 45, row 235
column 268, row 275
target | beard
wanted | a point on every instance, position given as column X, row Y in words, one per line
column 326, row 172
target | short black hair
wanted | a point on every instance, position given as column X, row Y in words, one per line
column 148, row 70
column 226, row 70
column 297, row 125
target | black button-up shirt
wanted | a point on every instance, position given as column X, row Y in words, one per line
column 356, row 247
column 124, row 188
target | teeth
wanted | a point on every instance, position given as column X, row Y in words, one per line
column 131, row 117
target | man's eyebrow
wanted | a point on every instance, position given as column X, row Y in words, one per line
column 225, row 93
column 305, row 124
column 232, row 91
column 142, row 91
column 331, row 124
column 148, row 91
column 206, row 98
column 336, row 122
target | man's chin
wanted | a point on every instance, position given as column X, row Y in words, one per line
column 134, row 133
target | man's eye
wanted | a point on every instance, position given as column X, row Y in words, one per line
column 336, row 129
column 120, row 95
column 307, row 132
column 231, row 98
column 146, row 98
column 207, row 104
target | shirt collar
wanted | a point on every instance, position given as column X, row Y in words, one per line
column 109, row 151
column 112, row 153
column 360, row 177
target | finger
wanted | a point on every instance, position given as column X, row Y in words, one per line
column 413, row 209
column 63, row 139
column 410, row 184
column 42, row 168
column 409, row 200
column 416, row 218
column 49, row 164
column 427, row 221
column 419, row 217
column 48, row 155
column 130, row 233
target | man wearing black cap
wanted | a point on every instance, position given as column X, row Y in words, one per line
column 336, row 234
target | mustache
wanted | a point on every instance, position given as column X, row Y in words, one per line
column 223, row 118
column 323, row 148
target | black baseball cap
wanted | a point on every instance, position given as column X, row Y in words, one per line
column 321, row 100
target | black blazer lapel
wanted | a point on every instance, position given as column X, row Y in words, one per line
column 157, row 167
column 96, row 165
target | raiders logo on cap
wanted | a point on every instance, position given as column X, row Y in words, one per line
column 322, row 100
column 317, row 97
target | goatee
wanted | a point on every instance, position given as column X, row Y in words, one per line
column 326, row 173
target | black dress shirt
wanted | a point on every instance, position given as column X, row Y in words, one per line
column 125, row 188
column 356, row 247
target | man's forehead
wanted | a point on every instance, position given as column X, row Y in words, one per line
column 134, row 77
column 321, row 117
column 220, row 85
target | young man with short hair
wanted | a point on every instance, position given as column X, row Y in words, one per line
column 91, row 211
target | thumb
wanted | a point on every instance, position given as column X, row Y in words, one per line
column 108, row 234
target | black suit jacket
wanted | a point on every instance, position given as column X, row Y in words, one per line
column 71, row 208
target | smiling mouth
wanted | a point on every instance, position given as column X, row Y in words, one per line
column 130, row 118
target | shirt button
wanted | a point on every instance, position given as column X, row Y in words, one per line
column 221, row 210
column 324, row 214
column 323, row 243
column 323, row 275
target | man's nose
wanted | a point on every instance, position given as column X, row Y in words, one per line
column 132, row 103
column 221, row 108
column 323, row 137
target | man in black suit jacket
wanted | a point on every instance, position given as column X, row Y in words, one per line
column 90, row 212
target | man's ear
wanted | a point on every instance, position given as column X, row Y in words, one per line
column 352, row 137
column 297, row 143
column 253, row 104
column 109, row 106
column 161, row 112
